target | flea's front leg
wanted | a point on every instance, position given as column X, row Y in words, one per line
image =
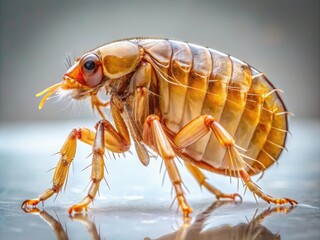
column 67, row 152
column 115, row 140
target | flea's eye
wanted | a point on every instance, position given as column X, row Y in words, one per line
column 91, row 69
column 90, row 65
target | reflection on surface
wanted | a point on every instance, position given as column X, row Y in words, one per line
column 57, row 228
column 51, row 221
column 189, row 229
column 243, row 231
column 90, row 225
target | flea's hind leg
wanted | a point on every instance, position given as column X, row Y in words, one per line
column 200, row 126
column 255, row 189
column 153, row 135
column 67, row 152
column 202, row 180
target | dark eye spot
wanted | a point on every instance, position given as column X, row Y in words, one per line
column 90, row 65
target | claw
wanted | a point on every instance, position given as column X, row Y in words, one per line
column 287, row 200
column 235, row 195
column 78, row 208
column 230, row 196
column 30, row 202
column 281, row 201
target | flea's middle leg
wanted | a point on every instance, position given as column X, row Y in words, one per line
column 97, row 172
column 202, row 180
column 154, row 135
column 104, row 128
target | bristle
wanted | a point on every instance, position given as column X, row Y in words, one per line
column 67, row 61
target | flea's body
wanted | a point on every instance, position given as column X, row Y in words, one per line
column 213, row 83
column 211, row 110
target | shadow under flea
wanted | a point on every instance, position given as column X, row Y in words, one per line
column 189, row 229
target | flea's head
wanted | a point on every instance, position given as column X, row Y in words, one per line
column 81, row 79
column 86, row 74
column 108, row 66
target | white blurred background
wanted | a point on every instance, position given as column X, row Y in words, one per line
column 280, row 38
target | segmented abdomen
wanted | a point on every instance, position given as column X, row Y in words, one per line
column 194, row 80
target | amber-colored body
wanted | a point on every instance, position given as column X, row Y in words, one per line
column 181, row 100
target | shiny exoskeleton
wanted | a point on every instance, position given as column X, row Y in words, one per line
column 211, row 110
